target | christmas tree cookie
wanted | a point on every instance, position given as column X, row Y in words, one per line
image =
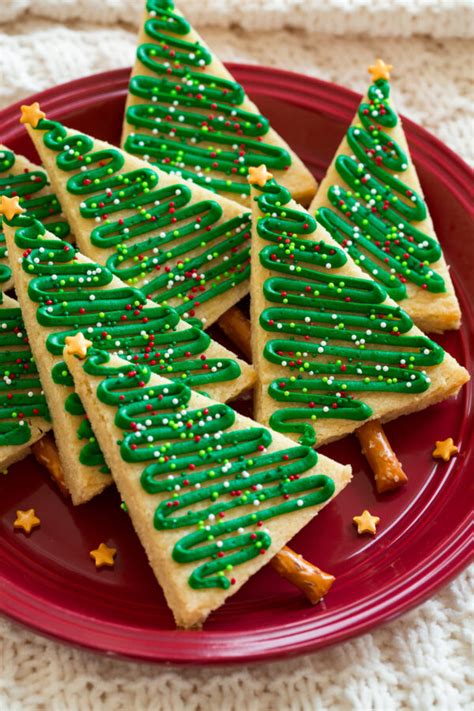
column 182, row 245
column 372, row 203
column 186, row 113
column 213, row 496
column 19, row 177
column 61, row 291
column 331, row 350
column 24, row 416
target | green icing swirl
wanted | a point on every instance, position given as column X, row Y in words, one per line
column 207, row 258
column 375, row 220
column 333, row 334
column 189, row 121
column 205, row 470
column 73, row 295
column 21, row 396
column 44, row 207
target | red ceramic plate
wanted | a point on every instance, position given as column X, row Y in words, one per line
column 49, row 581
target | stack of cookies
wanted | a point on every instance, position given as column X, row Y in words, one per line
column 122, row 258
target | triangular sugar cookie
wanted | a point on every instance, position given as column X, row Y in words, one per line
column 182, row 245
column 372, row 203
column 24, row 416
column 212, row 495
column 330, row 348
column 186, row 113
column 19, row 177
column 61, row 292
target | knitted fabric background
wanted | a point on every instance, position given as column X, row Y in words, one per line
column 423, row 660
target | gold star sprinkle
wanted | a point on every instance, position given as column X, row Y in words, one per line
column 31, row 114
column 259, row 176
column 26, row 520
column 445, row 449
column 9, row 207
column 366, row 523
column 103, row 555
column 77, row 345
column 380, row 70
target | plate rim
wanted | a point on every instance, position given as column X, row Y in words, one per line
column 182, row 647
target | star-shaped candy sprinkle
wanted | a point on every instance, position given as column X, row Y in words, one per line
column 26, row 520
column 31, row 114
column 77, row 345
column 9, row 207
column 445, row 449
column 366, row 523
column 103, row 555
column 259, row 176
column 380, row 70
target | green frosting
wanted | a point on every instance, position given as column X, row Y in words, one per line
column 375, row 220
column 204, row 470
column 21, row 396
column 190, row 121
column 74, row 296
column 44, row 207
column 184, row 255
column 334, row 339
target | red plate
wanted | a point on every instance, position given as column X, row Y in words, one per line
column 49, row 581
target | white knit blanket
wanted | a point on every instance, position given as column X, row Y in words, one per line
column 422, row 661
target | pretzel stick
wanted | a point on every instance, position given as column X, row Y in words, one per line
column 46, row 453
column 383, row 461
column 237, row 328
column 312, row 581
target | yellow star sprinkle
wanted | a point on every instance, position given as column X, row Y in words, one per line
column 9, row 207
column 77, row 345
column 26, row 520
column 445, row 449
column 380, row 70
column 31, row 114
column 103, row 555
column 366, row 523
column 259, row 176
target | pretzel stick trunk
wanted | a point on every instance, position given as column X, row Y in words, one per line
column 308, row 578
column 46, row 453
column 237, row 328
column 376, row 448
